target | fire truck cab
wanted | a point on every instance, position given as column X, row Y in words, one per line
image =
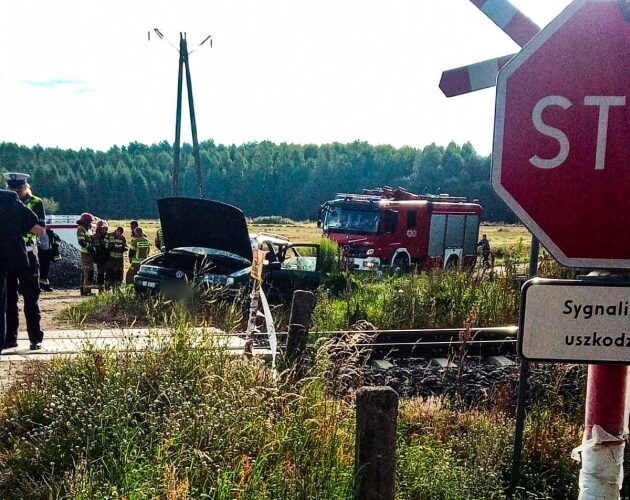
column 394, row 228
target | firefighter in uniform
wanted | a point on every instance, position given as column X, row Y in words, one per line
column 25, row 281
column 132, row 225
column 159, row 238
column 101, row 252
column 117, row 245
column 138, row 250
column 484, row 246
column 84, row 236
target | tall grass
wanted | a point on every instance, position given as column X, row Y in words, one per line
column 185, row 420
column 427, row 300
column 188, row 420
column 125, row 308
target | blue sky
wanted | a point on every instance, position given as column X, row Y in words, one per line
column 79, row 73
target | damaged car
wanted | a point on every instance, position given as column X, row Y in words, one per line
column 207, row 245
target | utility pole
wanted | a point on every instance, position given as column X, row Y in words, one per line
column 184, row 65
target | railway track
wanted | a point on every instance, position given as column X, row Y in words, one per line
column 442, row 343
column 436, row 343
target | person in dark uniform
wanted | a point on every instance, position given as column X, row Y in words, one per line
column 25, row 281
column 484, row 246
column 44, row 255
column 16, row 221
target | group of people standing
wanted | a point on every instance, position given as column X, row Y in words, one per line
column 106, row 250
column 27, row 248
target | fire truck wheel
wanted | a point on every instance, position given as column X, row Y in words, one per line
column 452, row 263
column 401, row 264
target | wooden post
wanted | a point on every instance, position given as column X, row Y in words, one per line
column 299, row 324
column 183, row 49
column 375, row 447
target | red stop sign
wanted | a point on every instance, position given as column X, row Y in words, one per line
column 561, row 155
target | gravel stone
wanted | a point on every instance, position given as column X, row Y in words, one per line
column 66, row 273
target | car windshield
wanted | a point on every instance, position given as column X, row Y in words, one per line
column 212, row 253
column 343, row 220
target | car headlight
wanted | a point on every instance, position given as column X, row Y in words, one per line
column 229, row 281
column 370, row 251
column 151, row 270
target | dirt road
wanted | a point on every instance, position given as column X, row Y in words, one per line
column 51, row 304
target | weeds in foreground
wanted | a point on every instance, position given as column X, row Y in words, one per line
column 183, row 420
column 186, row 420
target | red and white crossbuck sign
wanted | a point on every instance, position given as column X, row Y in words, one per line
column 483, row 74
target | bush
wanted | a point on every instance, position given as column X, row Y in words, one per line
column 272, row 220
column 329, row 255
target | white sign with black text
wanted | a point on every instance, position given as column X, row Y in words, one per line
column 575, row 321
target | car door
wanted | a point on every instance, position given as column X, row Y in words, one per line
column 299, row 268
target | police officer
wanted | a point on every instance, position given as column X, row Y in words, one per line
column 16, row 221
column 25, row 279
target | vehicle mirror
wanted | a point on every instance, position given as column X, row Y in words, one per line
column 319, row 223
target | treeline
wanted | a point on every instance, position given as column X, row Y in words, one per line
column 261, row 178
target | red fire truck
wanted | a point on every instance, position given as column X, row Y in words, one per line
column 395, row 228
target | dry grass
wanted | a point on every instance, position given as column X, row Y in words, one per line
column 503, row 236
column 500, row 235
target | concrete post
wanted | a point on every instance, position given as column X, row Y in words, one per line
column 605, row 426
column 375, row 447
column 299, row 324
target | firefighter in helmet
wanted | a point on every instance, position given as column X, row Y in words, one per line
column 117, row 245
column 139, row 250
column 101, row 252
column 84, row 236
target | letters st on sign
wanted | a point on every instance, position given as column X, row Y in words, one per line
column 575, row 321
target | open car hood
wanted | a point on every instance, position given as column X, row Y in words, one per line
column 191, row 222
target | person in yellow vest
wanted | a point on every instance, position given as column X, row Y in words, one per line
column 114, row 271
column 84, row 236
column 132, row 226
column 25, row 281
column 159, row 238
column 139, row 250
